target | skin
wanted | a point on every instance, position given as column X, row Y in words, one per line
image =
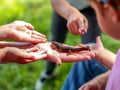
column 97, row 83
column 40, row 51
column 105, row 56
column 60, row 57
column 20, row 56
column 76, row 21
column 109, row 20
column 23, row 32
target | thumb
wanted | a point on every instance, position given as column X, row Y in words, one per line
column 54, row 58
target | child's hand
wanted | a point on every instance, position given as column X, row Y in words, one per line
column 98, row 46
column 59, row 57
column 77, row 23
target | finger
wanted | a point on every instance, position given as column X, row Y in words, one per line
column 74, row 26
column 33, row 40
column 70, row 27
column 40, row 56
column 74, row 58
column 38, row 34
column 32, row 49
column 80, row 27
column 38, row 52
column 23, row 23
column 86, row 25
column 79, row 31
column 22, row 53
column 29, row 26
column 27, row 56
column 25, row 61
column 87, row 53
column 54, row 58
column 98, row 40
column 37, row 37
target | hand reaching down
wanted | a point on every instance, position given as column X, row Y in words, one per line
column 77, row 23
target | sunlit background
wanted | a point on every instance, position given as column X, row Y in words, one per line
column 38, row 13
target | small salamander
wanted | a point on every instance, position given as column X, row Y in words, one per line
column 65, row 48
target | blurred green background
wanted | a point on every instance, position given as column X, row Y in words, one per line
column 38, row 13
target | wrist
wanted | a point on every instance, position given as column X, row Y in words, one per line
column 4, row 32
column 71, row 13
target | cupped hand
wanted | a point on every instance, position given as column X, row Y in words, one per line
column 21, row 31
column 21, row 56
column 51, row 54
column 98, row 46
column 77, row 23
column 59, row 57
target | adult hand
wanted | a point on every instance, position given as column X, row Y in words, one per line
column 59, row 57
column 21, row 56
column 77, row 23
column 52, row 55
column 98, row 46
column 21, row 31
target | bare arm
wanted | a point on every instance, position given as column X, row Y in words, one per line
column 103, row 55
column 76, row 21
column 63, row 8
column 106, row 57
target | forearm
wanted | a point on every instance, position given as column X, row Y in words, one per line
column 63, row 8
column 106, row 57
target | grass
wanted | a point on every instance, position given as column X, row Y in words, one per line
column 38, row 13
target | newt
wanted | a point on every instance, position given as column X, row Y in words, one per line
column 60, row 47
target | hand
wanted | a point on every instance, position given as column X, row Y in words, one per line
column 21, row 56
column 59, row 57
column 91, row 85
column 97, row 83
column 77, row 23
column 98, row 46
column 21, row 31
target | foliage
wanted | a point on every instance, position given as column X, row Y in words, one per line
column 38, row 13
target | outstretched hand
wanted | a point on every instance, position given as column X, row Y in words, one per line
column 44, row 50
column 21, row 56
column 98, row 46
column 21, row 31
column 60, row 57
